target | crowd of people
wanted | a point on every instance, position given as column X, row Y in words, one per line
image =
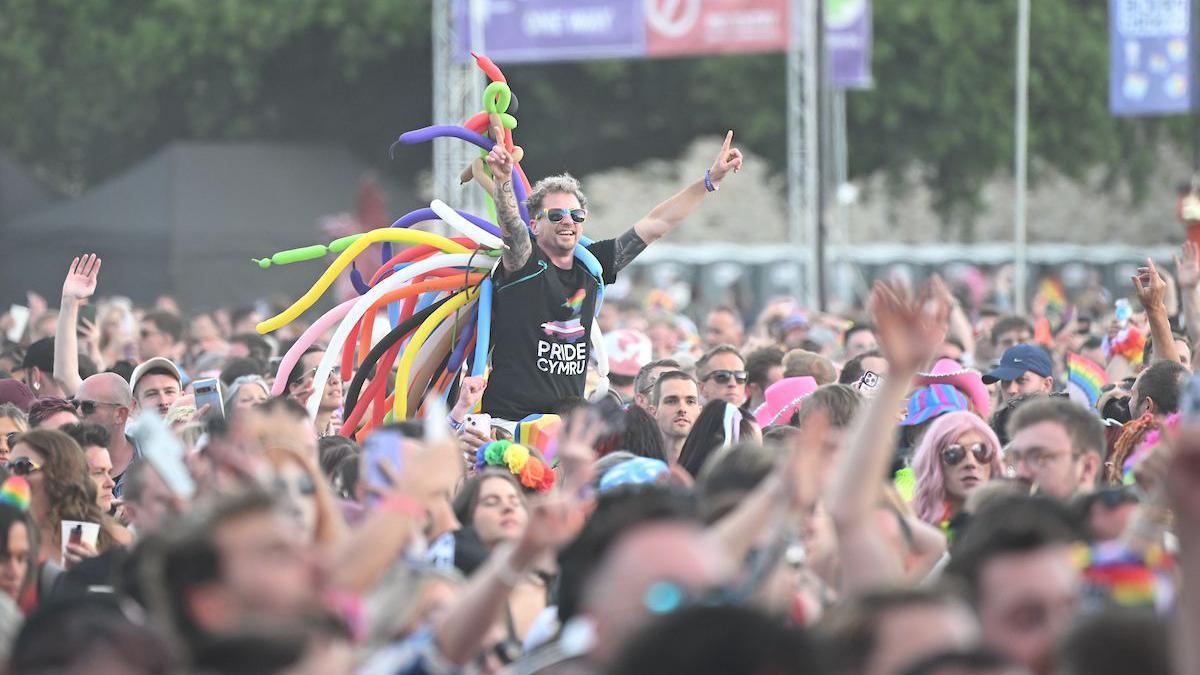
column 942, row 489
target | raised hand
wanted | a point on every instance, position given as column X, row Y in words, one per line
column 469, row 394
column 729, row 159
column 909, row 330
column 500, row 160
column 1150, row 287
column 80, row 283
column 1187, row 266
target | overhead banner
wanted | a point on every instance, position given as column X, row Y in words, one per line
column 524, row 31
column 1150, row 70
column 848, row 43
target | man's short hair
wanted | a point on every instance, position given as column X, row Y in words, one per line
column 853, row 371
column 1084, row 429
column 855, row 328
column 189, row 557
column 641, row 383
column 702, row 364
column 1010, row 323
column 801, row 362
column 562, row 183
column 241, row 367
column 1162, row 383
column 1005, row 526
column 87, row 435
column 1003, row 415
column 851, row 630
column 256, row 346
column 669, row 376
column 166, row 322
column 727, row 309
column 759, row 364
column 840, row 402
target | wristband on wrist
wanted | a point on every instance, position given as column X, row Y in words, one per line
column 454, row 424
column 708, row 184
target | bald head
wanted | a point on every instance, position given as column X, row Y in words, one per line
column 106, row 388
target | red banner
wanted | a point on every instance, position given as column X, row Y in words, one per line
column 689, row 27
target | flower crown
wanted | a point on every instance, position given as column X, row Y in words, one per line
column 529, row 470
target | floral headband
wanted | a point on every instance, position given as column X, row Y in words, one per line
column 529, row 470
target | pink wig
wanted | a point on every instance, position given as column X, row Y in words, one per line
column 930, row 495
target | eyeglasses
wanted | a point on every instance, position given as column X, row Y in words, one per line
column 724, row 376
column 1037, row 457
column 953, row 455
column 11, row 438
column 88, row 408
column 556, row 215
column 23, row 466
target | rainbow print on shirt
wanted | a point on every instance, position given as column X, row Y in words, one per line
column 575, row 302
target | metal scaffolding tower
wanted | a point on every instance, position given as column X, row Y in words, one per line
column 457, row 94
column 803, row 143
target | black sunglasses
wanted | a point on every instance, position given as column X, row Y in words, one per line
column 23, row 466
column 89, row 407
column 723, row 376
column 556, row 215
column 953, row 455
column 11, row 438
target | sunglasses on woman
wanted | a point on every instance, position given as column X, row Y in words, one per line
column 724, row 376
column 953, row 455
column 556, row 215
column 23, row 466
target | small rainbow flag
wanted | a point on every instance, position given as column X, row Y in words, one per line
column 15, row 491
column 1055, row 295
column 1087, row 376
column 574, row 302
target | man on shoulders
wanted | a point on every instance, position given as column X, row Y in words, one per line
column 544, row 302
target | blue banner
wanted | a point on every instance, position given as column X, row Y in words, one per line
column 1150, row 71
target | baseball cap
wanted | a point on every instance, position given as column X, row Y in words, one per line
column 157, row 364
column 17, row 393
column 932, row 401
column 1017, row 361
column 40, row 355
column 628, row 350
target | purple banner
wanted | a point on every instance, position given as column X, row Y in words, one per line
column 520, row 31
column 1149, row 57
column 848, row 43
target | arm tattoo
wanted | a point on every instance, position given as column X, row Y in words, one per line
column 513, row 229
column 628, row 246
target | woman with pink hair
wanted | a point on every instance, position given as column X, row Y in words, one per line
column 959, row 453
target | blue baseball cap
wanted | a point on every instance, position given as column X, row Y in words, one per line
column 1017, row 361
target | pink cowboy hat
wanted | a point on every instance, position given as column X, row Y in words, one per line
column 969, row 382
column 784, row 399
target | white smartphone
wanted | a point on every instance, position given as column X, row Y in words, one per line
column 481, row 423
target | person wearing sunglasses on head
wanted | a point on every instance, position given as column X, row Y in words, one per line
column 723, row 375
column 544, row 301
column 959, row 453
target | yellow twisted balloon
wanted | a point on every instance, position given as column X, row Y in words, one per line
column 402, row 235
column 400, row 404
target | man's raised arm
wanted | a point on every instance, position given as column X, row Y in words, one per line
column 79, row 285
column 512, row 228
column 667, row 215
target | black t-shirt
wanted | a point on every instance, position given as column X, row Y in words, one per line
column 541, row 319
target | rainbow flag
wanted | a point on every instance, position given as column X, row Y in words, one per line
column 1086, row 376
column 1055, row 295
column 575, row 302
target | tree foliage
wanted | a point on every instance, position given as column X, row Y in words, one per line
column 89, row 87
